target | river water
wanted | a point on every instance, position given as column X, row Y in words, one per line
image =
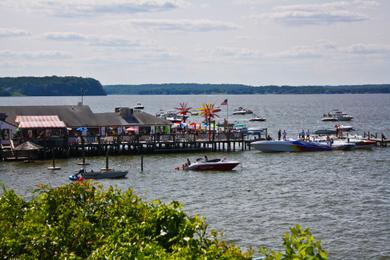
column 344, row 197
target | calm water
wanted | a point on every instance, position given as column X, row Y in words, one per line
column 344, row 197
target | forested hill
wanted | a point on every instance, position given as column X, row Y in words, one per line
column 50, row 86
column 193, row 88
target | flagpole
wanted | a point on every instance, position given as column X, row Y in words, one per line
column 227, row 113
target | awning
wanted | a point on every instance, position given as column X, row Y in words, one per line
column 39, row 122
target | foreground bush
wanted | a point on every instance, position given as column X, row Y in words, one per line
column 80, row 221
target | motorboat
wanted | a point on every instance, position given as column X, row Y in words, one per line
column 331, row 131
column 102, row 174
column 336, row 115
column 242, row 111
column 342, row 145
column 361, row 143
column 346, row 128
column 210, row 165
column 272, row 146
column 325, row 132
column 257, row 118
column 138, row 106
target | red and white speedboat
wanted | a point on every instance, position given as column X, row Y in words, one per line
column 211, row 165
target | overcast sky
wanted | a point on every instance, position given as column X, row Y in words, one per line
column 255, row 42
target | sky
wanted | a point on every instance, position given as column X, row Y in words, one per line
column 255, row 42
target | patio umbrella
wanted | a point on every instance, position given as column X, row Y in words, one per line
column 82, row 129
column 131, row 129
column 28, row 146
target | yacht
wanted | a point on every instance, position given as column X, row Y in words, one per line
column 138, row 106
column 336, row 115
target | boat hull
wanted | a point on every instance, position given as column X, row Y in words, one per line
column 99, row 175
column 217, row 166
column 289, row 146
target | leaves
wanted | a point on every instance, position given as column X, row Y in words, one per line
column 298, row 244
column 85, row 221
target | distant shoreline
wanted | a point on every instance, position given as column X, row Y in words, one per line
column 238, row 89
column 77, row 86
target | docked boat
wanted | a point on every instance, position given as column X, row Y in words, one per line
column 103, row 174
column 274, row 146
column 138, row 106
column 329, row 131
column 210, row 165
column 342, row 145
column 325, row 132
column 336, row 115
column 242, row 111
column 362, row 143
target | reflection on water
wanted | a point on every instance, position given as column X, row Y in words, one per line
column 343, row 196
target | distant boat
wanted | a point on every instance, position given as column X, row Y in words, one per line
column 242, row 111
column 257, row 118
column 138, row 106
column 336, row 115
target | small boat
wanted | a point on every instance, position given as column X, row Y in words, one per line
column 242, row 111
column 138, row 106
column 336, row 115
column 362, row 143
column 325, row 132
column 257, row 118
column 342, row 145
column 210, row 165
column 274, row 146
column 346, row 128
column 103, row 174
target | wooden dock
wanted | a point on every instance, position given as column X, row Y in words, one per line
column 137, row 144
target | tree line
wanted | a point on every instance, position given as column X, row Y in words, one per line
column 50, row 86
column 194, row 88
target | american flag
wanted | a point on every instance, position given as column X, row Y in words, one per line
column 224, row 103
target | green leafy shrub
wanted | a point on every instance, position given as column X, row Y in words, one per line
column 82, row 220
column 299, row 245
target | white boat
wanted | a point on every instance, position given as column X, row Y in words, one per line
column 336, row 115
column 242, row 111
column 273, row 146
column 342, row 145
column 346, row 128
column 138, row 106
column 210, row 165
column 257, row 118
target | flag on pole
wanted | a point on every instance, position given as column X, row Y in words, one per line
column 224, row 103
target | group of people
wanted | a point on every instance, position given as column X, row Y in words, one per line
column 304, row 135
column 282, row 134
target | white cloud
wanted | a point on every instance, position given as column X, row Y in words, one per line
column 333, row 51
column 35, row 55
column 70, row 8
column 319, row 14
column 12, row 32
column 109, row 41
column 367, row 49
column 202, row 25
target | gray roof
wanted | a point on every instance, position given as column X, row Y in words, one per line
column 82, row 116
column 134, row 118
column 114, row 119
column 73, row 116
column 148, row 119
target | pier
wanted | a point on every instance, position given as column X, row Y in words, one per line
column 135, row 144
